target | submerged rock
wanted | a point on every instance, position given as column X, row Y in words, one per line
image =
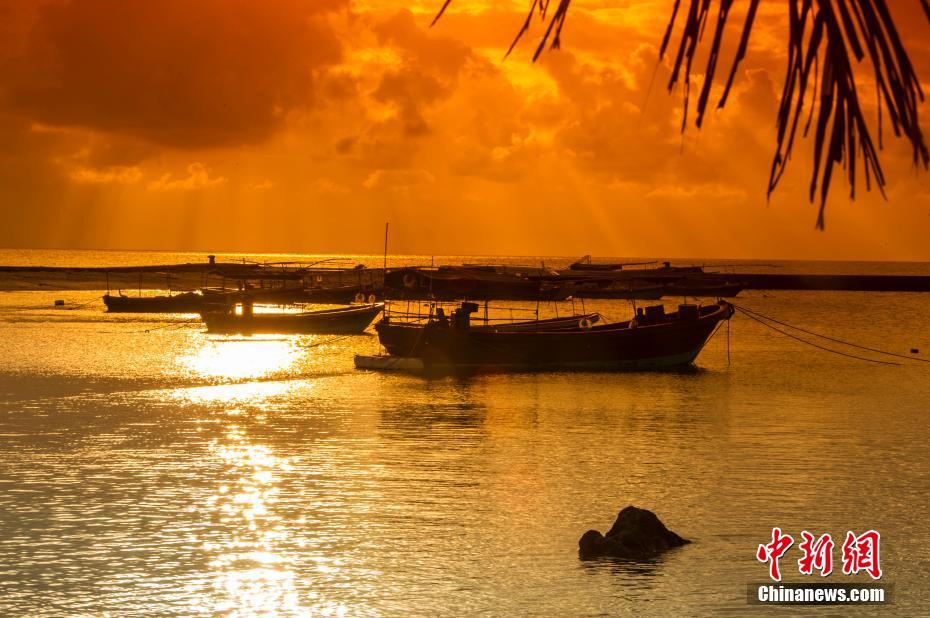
column 637, row 533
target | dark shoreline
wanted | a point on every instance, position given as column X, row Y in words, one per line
column 196, row 275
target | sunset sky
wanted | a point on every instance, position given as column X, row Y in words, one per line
column 302, row 126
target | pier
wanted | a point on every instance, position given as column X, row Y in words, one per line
column 197, row 275
column 845, row 283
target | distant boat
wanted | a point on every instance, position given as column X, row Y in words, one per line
column 186, row 302
column 353, row 319
column 586, row 265
column 196, row 302
column 341, row 294
column 652, row 340
column 472, row 283
column 619, row 289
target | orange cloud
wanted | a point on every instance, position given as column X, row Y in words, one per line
column 198, row 177
column 175, row 72
column 307, row 111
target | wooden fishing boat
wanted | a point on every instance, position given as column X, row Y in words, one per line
column 652, row 340
column 187, row 302
column 353, row 319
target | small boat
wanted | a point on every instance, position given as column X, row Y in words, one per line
column 187, row 302
column 341, row 294
column 353, row 319
column 652, row 340
column 585, row 265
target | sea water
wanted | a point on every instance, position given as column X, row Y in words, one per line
column 149, row 468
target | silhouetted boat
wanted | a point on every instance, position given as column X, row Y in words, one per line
column 341, row 294
column 186, row 302
column 626, row 290
column 566, row 323
column 353, row 319
column 652, row 340
column 586, row 265
column 472, row 283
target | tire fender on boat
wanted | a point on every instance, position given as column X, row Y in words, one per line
column 360, row 298
column 409, row 280
column 584, row 323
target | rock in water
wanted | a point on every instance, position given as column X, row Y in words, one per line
column 637, row 533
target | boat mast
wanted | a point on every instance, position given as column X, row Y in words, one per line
column 387, row 224
column 384, row 286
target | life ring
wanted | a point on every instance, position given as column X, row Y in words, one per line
column 585, row 323
column 409, row 280
column 371, row 299
column 360, row 298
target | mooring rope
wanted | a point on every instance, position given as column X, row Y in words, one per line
column 172, row 326
column 328, row 341
column 833, row 339
column 90, row 302
column 53, row 307
column 811, row 343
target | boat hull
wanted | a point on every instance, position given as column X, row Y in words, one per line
column 181, row 303
column 338, row 321
column 619, row 292
column 675, row 342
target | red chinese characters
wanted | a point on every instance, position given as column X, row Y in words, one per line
column 818, row 554
column 772, row 552
column 861, row 553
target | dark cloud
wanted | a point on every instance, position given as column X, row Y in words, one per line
column 410, row 90
column 428, row 72
column 174, row 72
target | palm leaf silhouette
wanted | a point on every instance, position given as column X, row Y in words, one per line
column 826, row 39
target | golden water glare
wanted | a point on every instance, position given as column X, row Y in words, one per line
column 252, row 573
column 242, row 358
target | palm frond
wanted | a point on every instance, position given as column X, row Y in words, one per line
column 827, row 40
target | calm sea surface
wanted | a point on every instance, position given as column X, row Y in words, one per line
column 147, row 468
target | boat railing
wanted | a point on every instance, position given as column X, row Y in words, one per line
column 421, row 312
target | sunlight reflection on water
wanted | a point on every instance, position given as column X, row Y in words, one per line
column 253, row 576
column 242, row 358
column 175, row 473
